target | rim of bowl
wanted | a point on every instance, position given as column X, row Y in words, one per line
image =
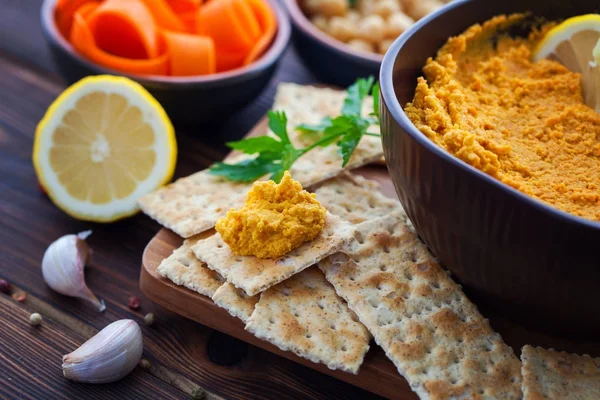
column 388, row 94
column 304, row 23
column 274, row 52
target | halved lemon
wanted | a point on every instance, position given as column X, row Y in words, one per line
column 575, row 43
column 103, row 143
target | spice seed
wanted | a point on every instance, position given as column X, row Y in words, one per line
column 149, row 319
column 35, row 319
column 4, row 286
column 145, row 364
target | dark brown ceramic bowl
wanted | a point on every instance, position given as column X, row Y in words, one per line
column 529, row 261
column 187, row 100
column 329, row 59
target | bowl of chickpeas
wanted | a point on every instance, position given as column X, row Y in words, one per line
column 342, row 40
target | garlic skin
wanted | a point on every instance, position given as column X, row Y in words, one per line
column 63, row 264
column 108, row 356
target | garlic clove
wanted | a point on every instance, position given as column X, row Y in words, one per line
column 108, row 356
column 63, row 265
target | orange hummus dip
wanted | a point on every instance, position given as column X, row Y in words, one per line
column 521, row 122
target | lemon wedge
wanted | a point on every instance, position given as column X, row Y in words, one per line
column 575, row 43
column 103, row 143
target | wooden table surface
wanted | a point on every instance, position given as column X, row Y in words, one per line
column 187, row 359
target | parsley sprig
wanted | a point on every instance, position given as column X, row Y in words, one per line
column 275, row 154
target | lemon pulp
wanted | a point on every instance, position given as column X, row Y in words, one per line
column 102, row 144
column 575, row 43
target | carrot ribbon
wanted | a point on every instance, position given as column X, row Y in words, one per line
column 168, row 37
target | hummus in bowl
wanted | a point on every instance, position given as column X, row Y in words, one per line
column 495, row 159
column 523, row 122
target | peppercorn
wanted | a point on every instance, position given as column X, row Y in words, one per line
column 4, row 286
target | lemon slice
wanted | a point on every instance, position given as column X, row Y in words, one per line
column 575, row 43
column 103, row 143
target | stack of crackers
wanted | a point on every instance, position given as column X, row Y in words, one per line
column 367, row 275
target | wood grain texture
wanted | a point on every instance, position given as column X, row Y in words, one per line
column 30, row 360
column 29, row 222
column 22, row 357
column 377, row 374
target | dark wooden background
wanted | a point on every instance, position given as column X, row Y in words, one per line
column 187, row 359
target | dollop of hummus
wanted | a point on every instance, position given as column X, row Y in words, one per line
column 275, row 219
column 525, row 123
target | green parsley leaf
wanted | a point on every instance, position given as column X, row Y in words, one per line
column 276, row 154
column 258, row 144
column 314, row 132
column 311, row 128
column 247, row 170
column 288, row 157
column 375, row 94
column 278, row 124
column 356, row 94
column 350, row 140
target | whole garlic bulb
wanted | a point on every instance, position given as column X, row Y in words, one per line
column 108, row 356
column 63, row 264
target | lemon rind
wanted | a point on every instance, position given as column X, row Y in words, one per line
column 564, row 32
column 119, row 208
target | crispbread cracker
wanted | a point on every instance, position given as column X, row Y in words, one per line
column 194, row 204
column 255, row 275
column 552, row 375
column 184, row 269
column 434, row 335
column 303, row 314
column 355, row 199
column 305, row 104
column 309, row 105
column 235, row 301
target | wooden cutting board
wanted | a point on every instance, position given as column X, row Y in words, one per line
column 377, row 374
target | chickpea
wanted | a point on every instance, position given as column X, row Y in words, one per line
column 341, row 28
column 365, row 7
column 371, row 29
column 353, row 15
column 361, row 45
column 384, row 45
column 368, row 25
column 327, row 8
column 397, row 24
column 320, row 22
column 417, row 9
column 385, row 8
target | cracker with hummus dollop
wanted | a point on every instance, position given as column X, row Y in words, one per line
column 350, row 197
column 304, row 315
column 421, row 318
column 276, row 218
column 254, row 275
column 193, row 204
